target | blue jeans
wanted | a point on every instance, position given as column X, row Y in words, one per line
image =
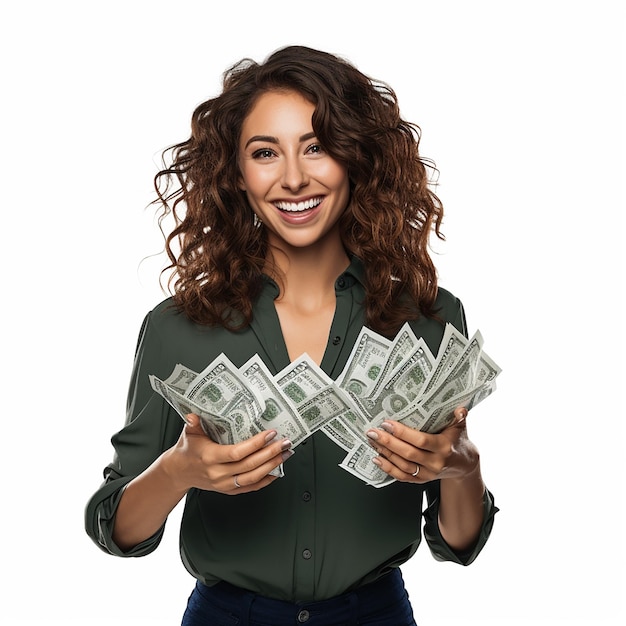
column 384, row 602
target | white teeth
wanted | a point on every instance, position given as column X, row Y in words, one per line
column 294, row 207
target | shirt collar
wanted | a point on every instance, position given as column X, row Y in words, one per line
column 355, row 272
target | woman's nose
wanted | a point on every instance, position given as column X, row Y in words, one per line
column 294, row 175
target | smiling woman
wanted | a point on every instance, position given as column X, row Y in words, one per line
column 292, row 184
column 303, row 212
column 355, row 120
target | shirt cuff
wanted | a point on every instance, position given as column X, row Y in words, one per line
column 441, row 550
column 100, row 519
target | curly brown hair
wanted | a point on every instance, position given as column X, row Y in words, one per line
column 217, row 275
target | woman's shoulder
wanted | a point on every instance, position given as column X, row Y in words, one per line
column 447, row 301
column 167, row 323
column 166, row 309
column 168, row 320
column 168, row 336
column 448, row 309
column 165, row 315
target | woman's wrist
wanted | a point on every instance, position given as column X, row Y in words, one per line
column 170, row 468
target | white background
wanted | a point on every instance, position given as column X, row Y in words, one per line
column 520, row 104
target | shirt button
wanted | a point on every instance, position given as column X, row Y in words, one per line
column 336, row 340
column 341, row 283
column 307, row 554
column 303, row 616
column 306, row 496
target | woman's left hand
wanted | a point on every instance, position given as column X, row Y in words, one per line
column 410, row 455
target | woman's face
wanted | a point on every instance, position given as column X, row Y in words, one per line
column 296, row 188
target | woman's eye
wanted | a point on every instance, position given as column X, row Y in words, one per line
column 264, row 153
column 315, row 149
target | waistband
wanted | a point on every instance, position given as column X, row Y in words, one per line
column 349, row 607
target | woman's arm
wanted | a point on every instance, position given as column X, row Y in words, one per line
column 410, row 455
column 461, row 509
column 194, row 461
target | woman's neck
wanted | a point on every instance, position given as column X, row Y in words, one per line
column 309, row 274
column 307, row 300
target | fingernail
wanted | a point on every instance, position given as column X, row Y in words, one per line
column 463, row 414
column 372, row 434
column 285, row 445
column 386, row 426
column 286, row 454
column 376, row 461
column 270, row 436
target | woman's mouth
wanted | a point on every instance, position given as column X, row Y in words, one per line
column 298, row 207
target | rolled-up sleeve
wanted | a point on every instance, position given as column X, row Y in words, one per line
column 438, row 547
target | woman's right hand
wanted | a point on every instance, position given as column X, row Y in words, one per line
column 197, row 461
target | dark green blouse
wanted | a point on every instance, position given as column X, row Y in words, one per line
column 312, row 534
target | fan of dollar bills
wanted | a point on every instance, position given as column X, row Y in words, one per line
column 398, row 379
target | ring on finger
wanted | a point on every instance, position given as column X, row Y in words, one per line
column 237, row 485
column 417, row 470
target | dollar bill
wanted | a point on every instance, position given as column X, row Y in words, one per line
column 414, row 417
column 359, row 462
column 217, row 428
column 450, row 349
column 347, row 430
column 404, row 387
column 180, row 378
column 173, row 395
column 457, row 377
column 403, row 346
column 325, row 406
column 302, row 379
column 486, row 371
column 279, row 412
column 315, row 395
column 366, row 364
column 443, row 415
column 221, row 390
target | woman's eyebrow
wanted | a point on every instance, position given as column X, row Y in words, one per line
column 271, row 139
column 264, row 138
column 307, row 136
